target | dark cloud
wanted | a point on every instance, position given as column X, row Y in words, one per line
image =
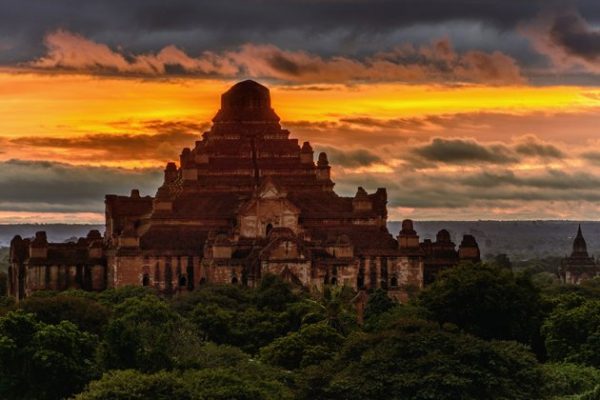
column 159, row 147
column 326, row 28
column 148, row 24
column 58, row 187
column 476, row 193
column 436, row 61
column 531, row 146
column 576, row 37
column 592, row 156
column 462, row 151
column 349, row 158
column 551, row 179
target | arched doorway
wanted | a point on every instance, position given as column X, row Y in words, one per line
column 145, row 280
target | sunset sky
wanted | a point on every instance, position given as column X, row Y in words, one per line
column 462, row 109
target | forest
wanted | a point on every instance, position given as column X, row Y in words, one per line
column 479, row 331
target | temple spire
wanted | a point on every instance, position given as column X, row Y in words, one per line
column 579, row 244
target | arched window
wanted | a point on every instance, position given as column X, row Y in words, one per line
column 145, row 280
column 383, row 273
column 394, row 282
column 269, row 227
column 190, row 272
column 334, row 281
column 234, row 280
column 182, row 281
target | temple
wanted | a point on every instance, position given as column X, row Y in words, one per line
column 579, row 266
column 246, row 200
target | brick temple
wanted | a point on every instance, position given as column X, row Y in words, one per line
column 246, row 200
column 579, row 266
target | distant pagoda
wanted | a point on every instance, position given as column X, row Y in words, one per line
column 579, row 266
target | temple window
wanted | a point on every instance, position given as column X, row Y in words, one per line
column 383, row 273
column 373, row 272
column 360, row 279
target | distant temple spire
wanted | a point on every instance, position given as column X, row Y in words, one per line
column 579, row 266
column 579, row 245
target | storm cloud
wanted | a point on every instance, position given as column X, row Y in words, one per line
column 153, row 33
column 437, row 61
column 350, row 157
column 59, row 187
column 459, row 151
column 577, row 38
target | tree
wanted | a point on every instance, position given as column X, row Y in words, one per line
column 242, row 317
column 86, row 313
column 116, row 296
column 312, row 345
column 135, row 385
column 41, row 361
column 246, row 382
column 488, row 302
column 572, row 331
column 274, row 294
column 419, row 360
column 242, row 383
column 378, row 303
column 334, row 306
column 564, row 379
column 142, row 335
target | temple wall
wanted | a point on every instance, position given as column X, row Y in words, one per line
column 301, row 269
column 224, row 274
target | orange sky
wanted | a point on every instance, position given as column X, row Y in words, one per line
column 388, row 121
column 65, row 105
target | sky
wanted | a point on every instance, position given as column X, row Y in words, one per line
column 463, row 109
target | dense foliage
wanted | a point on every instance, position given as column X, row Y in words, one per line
column 478, row 332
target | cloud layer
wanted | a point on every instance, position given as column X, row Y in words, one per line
column 436, row 62
column 44, row 186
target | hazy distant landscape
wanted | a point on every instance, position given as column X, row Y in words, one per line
column 518, row 239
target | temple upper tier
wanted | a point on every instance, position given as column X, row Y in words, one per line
column 246, row 144
column 247, row 102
